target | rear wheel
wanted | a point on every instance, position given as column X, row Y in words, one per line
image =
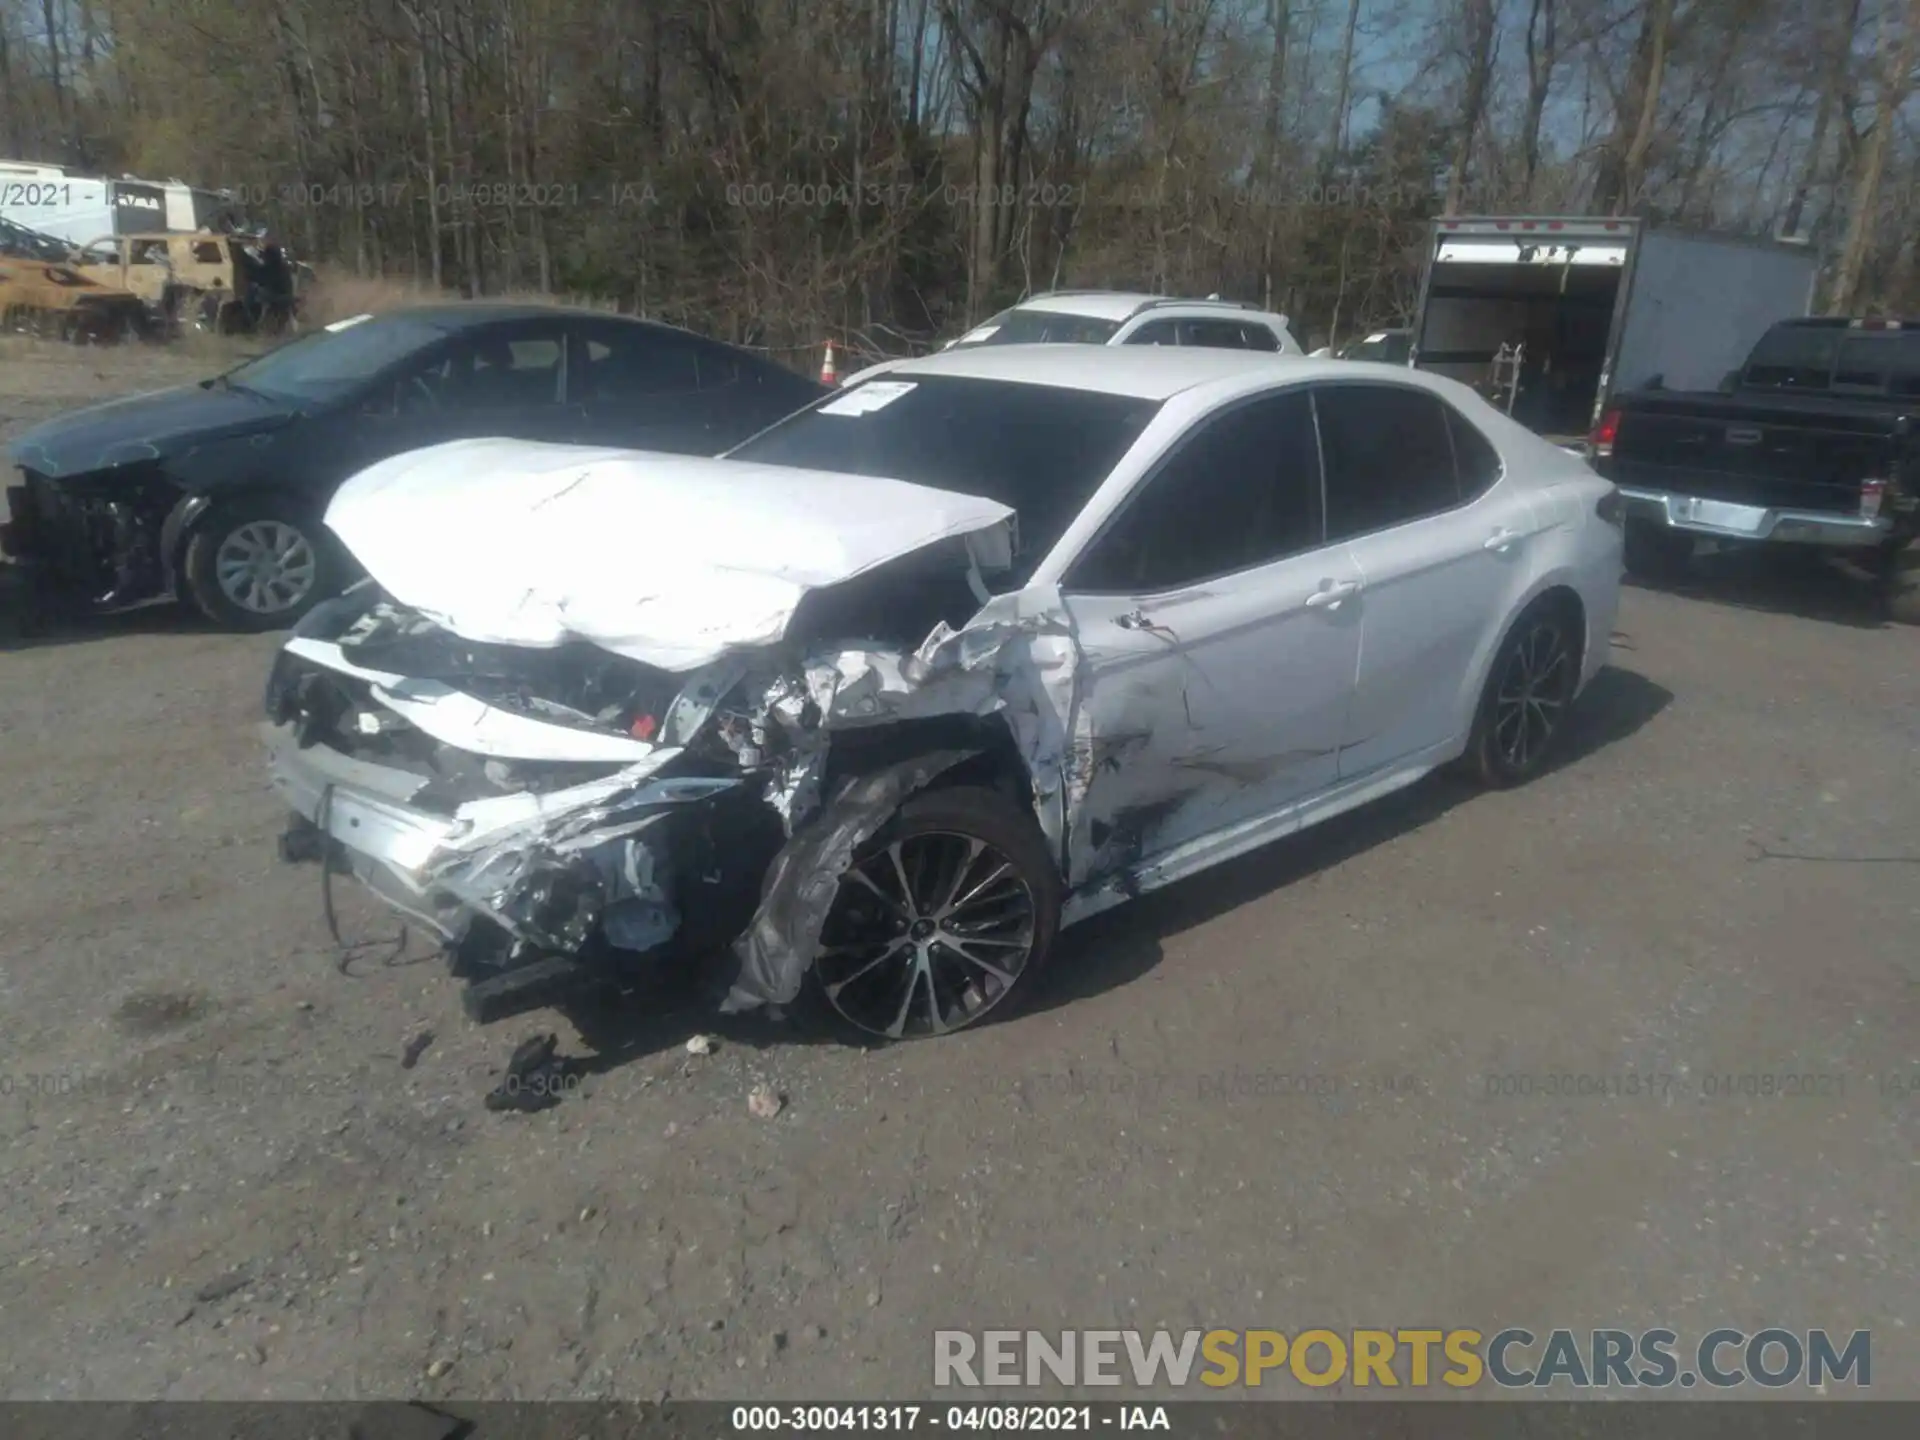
column 1656, row 551
column 1901, row 584
column 259, row 563
column 943, row 919
column 1529, row 690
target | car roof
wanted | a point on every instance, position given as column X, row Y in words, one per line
column 1095, row 304
column 1141, row 372
column 466, row 314
column 1844, row 322
column 1125, row 304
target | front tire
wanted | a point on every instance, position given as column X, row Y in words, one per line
column 1529, row 689
column 259, row 563
column 944, row 919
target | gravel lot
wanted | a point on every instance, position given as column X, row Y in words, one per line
column 223, row 1182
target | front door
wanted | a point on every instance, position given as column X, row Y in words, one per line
column 503, row 382
column 1218, row 641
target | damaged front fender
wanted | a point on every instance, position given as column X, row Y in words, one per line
column 783, row 940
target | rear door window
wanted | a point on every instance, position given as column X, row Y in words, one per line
column 1389, row 456
column 1156, row 332
column 1475, row 460
column 1213, row 334
column 624, row 363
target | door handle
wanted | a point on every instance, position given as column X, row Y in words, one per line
column 1500, row 539
column 1331, row 593
column 1134, row 619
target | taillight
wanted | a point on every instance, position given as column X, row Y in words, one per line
column 1612, row 509
column 1604, row 434
column 1872, row 493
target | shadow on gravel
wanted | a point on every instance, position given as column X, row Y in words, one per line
column 1112, row 949
column 26, row 623
column 1789, row 581
column 1116, row 947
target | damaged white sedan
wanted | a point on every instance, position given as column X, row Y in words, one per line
column 875, row 704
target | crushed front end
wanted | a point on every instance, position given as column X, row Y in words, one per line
column 99, row 543
column 597, row 713
column 553, row 816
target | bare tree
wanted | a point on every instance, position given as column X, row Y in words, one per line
column 1843, row 25
column 1543, row 59
column 1480, row 21
column 1899, row 39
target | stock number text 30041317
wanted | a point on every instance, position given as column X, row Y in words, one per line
column 842, row 1418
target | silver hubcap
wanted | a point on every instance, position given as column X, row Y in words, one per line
column 926, row 936
column 265, row 567
column 1533, row 691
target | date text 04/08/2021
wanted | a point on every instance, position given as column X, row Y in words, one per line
column 823, row 1419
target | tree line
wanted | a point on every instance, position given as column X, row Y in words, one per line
column 882, row 172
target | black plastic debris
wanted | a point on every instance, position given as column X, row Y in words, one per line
column 535, row 1079
column 415, row 1047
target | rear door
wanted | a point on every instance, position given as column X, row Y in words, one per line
column 653, row 388
column 1443, row 543
column 1218, row 642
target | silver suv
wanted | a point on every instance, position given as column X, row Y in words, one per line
column 1109, row 317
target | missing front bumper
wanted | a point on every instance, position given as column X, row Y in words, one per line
column 599, row 871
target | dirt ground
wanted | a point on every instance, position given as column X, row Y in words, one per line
column 1261, row 1098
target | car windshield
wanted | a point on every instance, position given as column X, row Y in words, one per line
column 1041, row 327
column 1040, row 449
column 329, row 364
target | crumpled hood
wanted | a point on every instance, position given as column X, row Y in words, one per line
column 156, row 425
column 666, row 559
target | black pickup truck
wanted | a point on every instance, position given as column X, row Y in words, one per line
column 1814, row 441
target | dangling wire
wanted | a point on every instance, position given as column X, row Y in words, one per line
column 344, row 954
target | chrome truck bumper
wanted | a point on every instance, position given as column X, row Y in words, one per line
column 1721, row 519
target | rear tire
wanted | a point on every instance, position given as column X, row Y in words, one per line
column 260, row 563
column 1530, row 687
column 1902, row 585
column 945, row 919
column 1656, row 552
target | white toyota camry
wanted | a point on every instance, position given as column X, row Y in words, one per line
column 870, row 707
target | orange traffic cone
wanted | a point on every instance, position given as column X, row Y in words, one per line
column 829, row 375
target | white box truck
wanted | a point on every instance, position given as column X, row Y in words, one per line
column 56, row 201
column 1550, row 315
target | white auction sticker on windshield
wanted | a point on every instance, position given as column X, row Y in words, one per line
column 872, row 396
column 974, row 337
column 350, row 320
